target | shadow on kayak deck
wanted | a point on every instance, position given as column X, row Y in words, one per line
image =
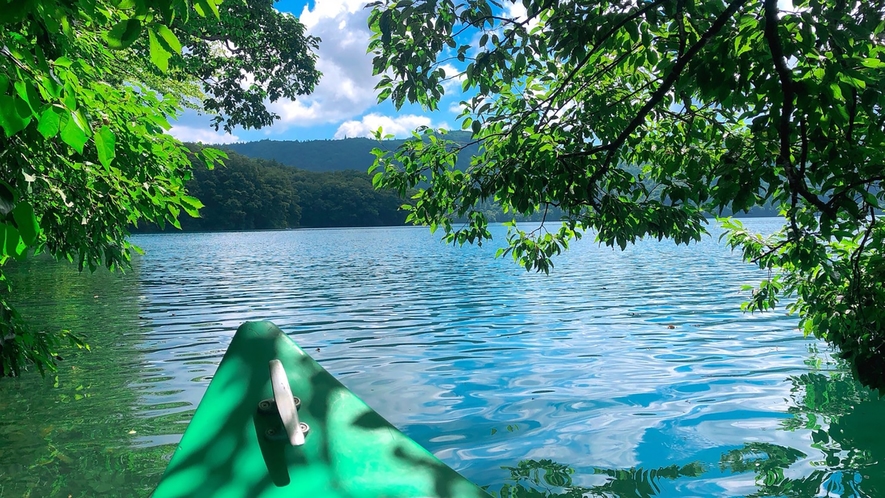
column 229, row 448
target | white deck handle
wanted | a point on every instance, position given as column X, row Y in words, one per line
column 282, row 395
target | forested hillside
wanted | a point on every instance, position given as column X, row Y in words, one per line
column 255, row 194
column 331, row 155
column 318, row 183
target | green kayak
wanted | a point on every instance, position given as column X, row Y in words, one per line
column 274, row 423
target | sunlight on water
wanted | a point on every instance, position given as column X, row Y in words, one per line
column 620, row 374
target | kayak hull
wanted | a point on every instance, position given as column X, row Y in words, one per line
column 228, row 449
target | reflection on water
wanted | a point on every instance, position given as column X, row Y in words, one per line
column 622, row 374
column 549, row 479
column 71, row 433
column 845, row 420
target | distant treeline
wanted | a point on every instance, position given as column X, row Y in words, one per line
column 255, row 194
column 319, row 183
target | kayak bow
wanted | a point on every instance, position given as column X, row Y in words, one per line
column 240, row 440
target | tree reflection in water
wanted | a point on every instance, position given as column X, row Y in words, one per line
column 548, row 479
column 845, row 424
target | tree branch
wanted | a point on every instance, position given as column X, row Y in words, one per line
column 803, row 156
column 771, row 250
column 568, row 79
column 666, row 86
column 656, row 97
column 795, row 179
column 851, row 186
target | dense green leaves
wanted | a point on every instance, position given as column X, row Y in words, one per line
column 124, row 33
column 642, row 119
column 81, row 155
column 87, row 89
column 278, row 62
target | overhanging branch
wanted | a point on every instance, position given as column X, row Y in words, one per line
column 795, row 179
column 659, row 94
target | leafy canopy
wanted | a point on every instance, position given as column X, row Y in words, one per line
column 87, row 89
column 249, row 54
column 640, row 118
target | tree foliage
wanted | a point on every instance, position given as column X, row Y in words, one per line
column 345, row 199
column 249, row 54
column 245, row 194
column 637, row 118
column 83, row 150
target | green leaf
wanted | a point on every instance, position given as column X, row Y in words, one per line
column 872, row 63
column 191, row 205
column 73, row 134
column 11, row 241
column 837, row 91
column 3, row 229
column 48, row 123
column 384, row 25
column 124, row 33
column 204, row 7
column 105, row 142
column 24, row 217
column 169, row 37
column 191, row 201
column 159, row 54
column 14, row 114
column 28, row 94
column 633, row 30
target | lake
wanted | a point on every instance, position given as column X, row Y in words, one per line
column 620, row 374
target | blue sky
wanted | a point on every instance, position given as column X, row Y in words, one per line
column 344, row 103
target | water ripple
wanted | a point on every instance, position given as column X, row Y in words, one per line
column 616, row 360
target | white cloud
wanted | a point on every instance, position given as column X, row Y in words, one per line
column 516, row 10
column 347, row 88
column 328, row 9
column 206, row 136
column 400, row 126
column 457, row 107
column 454, row 78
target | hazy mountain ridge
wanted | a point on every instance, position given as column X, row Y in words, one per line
column 278, row 184
column 331, row 155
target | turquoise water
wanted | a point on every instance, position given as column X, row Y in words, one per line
column 620, row 374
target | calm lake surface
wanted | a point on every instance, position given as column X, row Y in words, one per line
column 620, row 374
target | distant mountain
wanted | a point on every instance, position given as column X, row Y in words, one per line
column 319, row 183
column 330, row 155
